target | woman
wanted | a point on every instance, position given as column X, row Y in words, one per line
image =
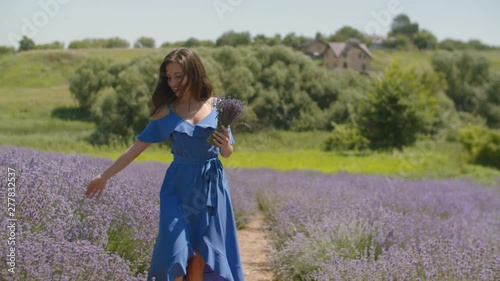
column 197, row 232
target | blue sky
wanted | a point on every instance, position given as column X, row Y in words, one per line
column 46, row 21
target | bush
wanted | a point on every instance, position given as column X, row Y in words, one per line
column 114, row 42
column 144, row 42
column 345, row 137
column 282, row 89
column 124, row 114
column 400, row 108
column 6, row 50
column 56, row 45
column 26, row 44
column 89, row 79
column 399, row 42
column 467, row 76
column 482, row 144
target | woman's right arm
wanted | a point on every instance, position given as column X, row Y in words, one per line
column 96, row 186
column 128, row 156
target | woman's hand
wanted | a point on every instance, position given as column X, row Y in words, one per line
column 221, row 139
column 96, row 187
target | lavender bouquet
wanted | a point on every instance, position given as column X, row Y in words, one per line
column 228, row 110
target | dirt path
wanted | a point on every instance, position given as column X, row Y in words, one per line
column 254, row 251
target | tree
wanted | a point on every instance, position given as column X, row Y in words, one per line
column 192, row 42
column 425, row 40
column 172, row 44
column 144, row 42
column 451, row 44
column 88, row 79
column 478, row 45
column 260, row 39
column 489, row 106
column 345, row 33
column 26, row 44
column 397, row 110
column 402, row 25
column 467, row 76
column 320, row 36
column 6, row 50
column 282, row 102
column 399, row 42
column 53, row 45
column 293, row 41
column 270, row 41
column 124, row 114
column 114, row 42
column 238, row 83
column 234, row 39
column 117, row 42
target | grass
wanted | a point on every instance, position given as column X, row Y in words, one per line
column 422, row 59
column 38, row 111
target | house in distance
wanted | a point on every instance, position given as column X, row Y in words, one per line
column 350, row 55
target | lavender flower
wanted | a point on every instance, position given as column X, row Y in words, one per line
column 228, row 110
column 61, row 235
column 320, row 226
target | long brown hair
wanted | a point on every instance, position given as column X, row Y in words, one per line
column 197, row 80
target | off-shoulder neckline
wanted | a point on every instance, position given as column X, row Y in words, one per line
column 194, row 125
column 170, row 110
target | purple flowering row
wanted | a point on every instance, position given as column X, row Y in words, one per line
column 321, row 227
column 61, row 235
column 362, row 227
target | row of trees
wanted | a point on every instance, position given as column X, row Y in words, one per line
column 286, row 90
column 404, row 34
column 26, row 44
column 460, row 98
column 282, row 88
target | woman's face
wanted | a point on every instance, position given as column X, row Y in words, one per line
column 175, row 77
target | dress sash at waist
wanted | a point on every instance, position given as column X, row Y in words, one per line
column 212, row 173
column 179, row 159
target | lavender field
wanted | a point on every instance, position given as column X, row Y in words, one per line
column 321, row 227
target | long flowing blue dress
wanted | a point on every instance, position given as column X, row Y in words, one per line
column 196, row 214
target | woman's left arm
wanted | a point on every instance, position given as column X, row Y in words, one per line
column 222, row 139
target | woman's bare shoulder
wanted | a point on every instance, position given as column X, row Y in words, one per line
column 160, row 113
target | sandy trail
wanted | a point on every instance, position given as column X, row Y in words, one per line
column 254, row 251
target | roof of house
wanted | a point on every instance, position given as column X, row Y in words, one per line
column 339, row 47
column 310, row 42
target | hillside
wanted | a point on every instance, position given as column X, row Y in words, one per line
column 47, row 68
column 38, row 111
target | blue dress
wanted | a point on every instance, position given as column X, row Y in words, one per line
column 196, row 214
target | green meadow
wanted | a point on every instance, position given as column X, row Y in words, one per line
column 38, row 111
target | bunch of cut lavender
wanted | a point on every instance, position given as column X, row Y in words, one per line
column 228, row 110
